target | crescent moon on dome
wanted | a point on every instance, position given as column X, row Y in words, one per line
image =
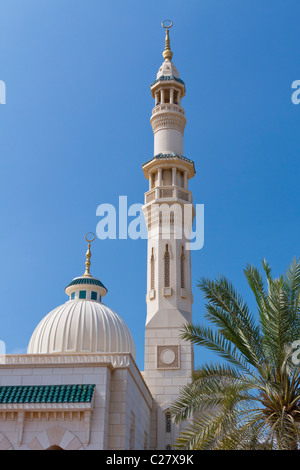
column 167, row 27
column 91, row 239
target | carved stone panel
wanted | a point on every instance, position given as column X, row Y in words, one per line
column 168, row 357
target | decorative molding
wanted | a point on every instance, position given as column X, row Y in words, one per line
column 55, row 436
column 167, row 160
column 45, row 411
column 169, row 156
column 167, row 120
column 183, row 194
column 167, row 78
column 167, row 107
column 150, row 196
column 166, row 192
column 44, row 407
column 168, row 357
column 113, row 360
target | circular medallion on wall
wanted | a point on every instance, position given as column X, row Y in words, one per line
column 168, row 357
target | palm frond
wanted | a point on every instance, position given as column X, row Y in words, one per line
column 227, row 311
column 215, row 341
column 252, row 401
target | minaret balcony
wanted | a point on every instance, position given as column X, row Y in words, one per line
column 169, row 107
column 168, row 193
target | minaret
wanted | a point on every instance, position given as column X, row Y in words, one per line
column 168, row 213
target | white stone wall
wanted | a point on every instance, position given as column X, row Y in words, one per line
column 100, row 376
column 129, row 396
column 120, row 390
column 165, row 383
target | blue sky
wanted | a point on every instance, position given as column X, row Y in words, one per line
column 75, row 131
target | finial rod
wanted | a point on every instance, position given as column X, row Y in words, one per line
column 88, row 253
column 167, row 54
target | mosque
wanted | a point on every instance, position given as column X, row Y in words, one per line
column 78, row 386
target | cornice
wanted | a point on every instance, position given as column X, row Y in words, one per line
column 112, row 361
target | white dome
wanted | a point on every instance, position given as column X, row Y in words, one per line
column 81, row 326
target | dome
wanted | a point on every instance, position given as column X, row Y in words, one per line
column 87, row 280
column 81, row 326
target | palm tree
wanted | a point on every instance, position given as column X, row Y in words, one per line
column 251, row 399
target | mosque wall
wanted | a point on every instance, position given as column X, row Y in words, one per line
column 130, row 410
column 117, row 418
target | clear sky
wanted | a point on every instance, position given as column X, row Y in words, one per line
column 75, row 132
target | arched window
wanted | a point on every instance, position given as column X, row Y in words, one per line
column 168, row 422
column 182, row 270
column 152, row 263
column 172, row 218
column 167, row 267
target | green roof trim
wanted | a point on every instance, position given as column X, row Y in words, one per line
column 87, row 280
column 168, row 77
column 77, row 393
column 170, row 155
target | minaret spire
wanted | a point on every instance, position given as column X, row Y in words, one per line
column 167, row 54
column 168, row 117
column 88, row 254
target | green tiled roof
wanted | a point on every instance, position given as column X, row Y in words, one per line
column 46, row 393
column 167, row 77
column 168, row 156
column 86, row 280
